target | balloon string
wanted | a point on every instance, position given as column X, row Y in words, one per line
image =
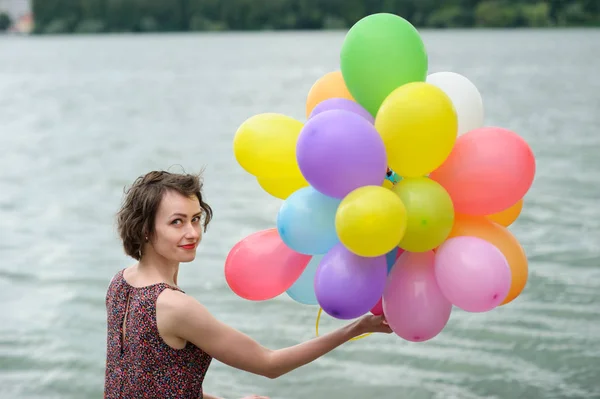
column 317, row 327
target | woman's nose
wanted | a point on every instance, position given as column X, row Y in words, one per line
column 192, row 232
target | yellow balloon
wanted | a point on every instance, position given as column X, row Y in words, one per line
column 370, row 221
column 419, row 126
column 430, row 213
column 508, row 216
column 265, row 145
column 282, row 187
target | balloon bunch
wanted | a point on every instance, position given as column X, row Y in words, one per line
column 396, row 196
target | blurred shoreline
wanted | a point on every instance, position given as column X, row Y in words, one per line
column 41, row 17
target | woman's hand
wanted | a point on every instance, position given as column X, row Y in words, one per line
column 372, row 324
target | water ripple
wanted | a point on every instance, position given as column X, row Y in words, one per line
column 81, row 117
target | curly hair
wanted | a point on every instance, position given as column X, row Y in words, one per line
column 136, row 217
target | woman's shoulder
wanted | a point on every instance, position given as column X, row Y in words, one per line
column 120, row 275
column 115, row 286
column 177, row 305
column 116, row 279
column 172, row 299
column 173, row 307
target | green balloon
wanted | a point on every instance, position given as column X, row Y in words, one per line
column 380, row 53
column 429, row 213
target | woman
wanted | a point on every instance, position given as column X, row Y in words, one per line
column 161, row 341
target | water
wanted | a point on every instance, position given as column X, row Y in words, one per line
column 81, row 117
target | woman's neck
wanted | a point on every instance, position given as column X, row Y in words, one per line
column 158, row 270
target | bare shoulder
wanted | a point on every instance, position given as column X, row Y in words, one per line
column 175, row 311
column 177, row 304
column 172, row 298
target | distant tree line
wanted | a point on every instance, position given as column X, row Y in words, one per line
column 96, row 16
column 5, row 21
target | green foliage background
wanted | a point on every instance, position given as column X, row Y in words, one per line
column 97, row 16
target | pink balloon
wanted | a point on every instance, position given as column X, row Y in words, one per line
column 488, row 170
column 472, row 273
column 413, row 304
column 261, row 266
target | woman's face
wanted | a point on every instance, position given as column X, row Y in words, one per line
column 178, row 228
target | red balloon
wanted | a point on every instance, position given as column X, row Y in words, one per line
column 489, row 170
column 378, row 309
column 400, row 252
column 261, row 266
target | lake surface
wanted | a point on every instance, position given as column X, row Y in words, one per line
column 81, row 117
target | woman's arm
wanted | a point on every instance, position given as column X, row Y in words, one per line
column 189, row 320
column 207, row 396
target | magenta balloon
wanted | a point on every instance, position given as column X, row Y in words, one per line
column 347, row 285
column 339, row 151
column 342, row 103
column 413, row 304
column 472, row 273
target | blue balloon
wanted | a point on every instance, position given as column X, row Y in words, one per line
column 390, row 258
column 306, row 221
column 303, row 290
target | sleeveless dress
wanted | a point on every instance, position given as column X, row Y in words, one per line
column 144, row 366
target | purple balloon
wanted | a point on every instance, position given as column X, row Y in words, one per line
column 347, row 285
column 339, row 151
column 342, row 103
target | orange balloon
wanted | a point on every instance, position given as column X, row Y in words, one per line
column 508, row 216
column 261, row 266
column 504, row 240
column 331, row 85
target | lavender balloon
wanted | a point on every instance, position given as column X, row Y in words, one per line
column 342, row 103
column 347, row 285
column 339, row 151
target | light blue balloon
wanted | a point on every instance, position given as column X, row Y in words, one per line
column 390, row 258
column 303, row 290
column 306, row 221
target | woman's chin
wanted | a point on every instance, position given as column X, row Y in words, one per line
column 186, row 258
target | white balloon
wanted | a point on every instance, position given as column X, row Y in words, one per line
column 465, row 97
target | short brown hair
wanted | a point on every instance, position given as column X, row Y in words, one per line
column 135, row 219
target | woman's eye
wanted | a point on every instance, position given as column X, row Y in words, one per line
column 176, row 221
column 196, row 219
